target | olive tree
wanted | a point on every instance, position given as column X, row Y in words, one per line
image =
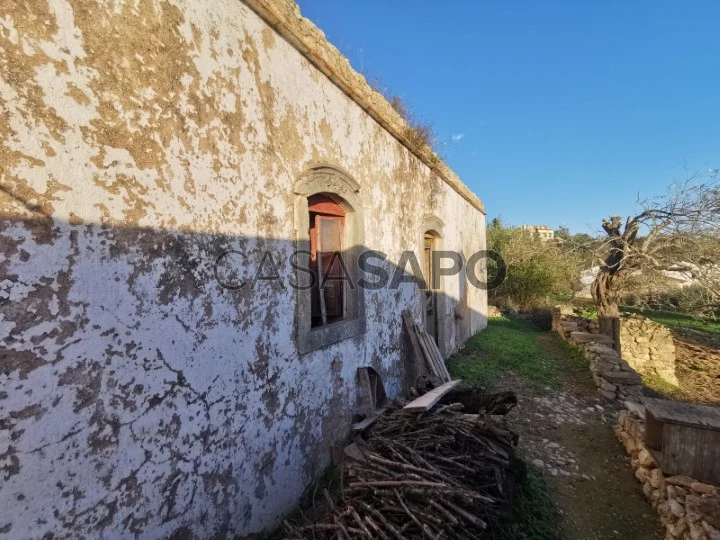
column 680, row 227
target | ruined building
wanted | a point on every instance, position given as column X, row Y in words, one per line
column 159, row 373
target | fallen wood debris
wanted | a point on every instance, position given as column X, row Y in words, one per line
column 478, row 400
column 437, row 474
column 428, row 401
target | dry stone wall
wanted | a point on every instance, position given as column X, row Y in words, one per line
column 648, row 347
column 689, row 510
column 613, row 376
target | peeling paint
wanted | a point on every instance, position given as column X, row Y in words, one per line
column 138, row 140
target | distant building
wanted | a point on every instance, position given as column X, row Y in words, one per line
column 545, row 233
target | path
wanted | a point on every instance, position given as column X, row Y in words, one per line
column 566, row 430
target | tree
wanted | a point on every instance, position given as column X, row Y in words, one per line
column 675, row 228
column 537, row 269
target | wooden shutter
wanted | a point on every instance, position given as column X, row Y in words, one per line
column 329, row 251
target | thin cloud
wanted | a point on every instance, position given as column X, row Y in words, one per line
column 457, row 136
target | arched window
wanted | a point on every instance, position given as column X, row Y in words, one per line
column 329, row 225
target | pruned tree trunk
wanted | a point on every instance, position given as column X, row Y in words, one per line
column 607, row 288
column 605, row 291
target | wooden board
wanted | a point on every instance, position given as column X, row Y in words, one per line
column 684, row 414
column 439, row 360
column 691, row 451
column 369, row 421
column 428, row 401
column 418, row 359
column 421, row 335
column 434, row 359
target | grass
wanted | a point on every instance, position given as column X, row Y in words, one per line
column 540, row 357
column 677, row 320
column 534, row 514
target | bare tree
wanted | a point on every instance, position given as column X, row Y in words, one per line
column 675, row 228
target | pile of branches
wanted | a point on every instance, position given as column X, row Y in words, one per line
column 439, row 474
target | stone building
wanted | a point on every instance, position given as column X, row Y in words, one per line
column 152, row 154
column 542, row 231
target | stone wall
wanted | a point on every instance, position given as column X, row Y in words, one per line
column 648, row 347
column 613, row 376
column 688, row 509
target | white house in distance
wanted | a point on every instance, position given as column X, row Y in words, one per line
column 543, row 232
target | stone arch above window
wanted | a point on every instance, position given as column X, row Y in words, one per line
column 330, row 184
column 433, row 224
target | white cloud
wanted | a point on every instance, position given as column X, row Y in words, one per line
column 457, row 136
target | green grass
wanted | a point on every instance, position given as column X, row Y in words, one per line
column 542, row 358
column 677, row 320
column 534, row 513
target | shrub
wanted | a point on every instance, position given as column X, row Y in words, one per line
column 536, row 270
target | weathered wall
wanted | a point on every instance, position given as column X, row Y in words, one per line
column 648, row 347
column 137, row 141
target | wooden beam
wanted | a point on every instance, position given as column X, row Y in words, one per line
column 428, row 401
column 417, row 354
column 369, row 421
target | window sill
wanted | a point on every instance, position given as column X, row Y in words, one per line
column 323, row 336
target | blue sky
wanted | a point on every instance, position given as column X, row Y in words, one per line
column 553, row 112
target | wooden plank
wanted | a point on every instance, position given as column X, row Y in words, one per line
column 369, row 421
column 692, row 452
column 367, row 393
column 436, row 362
column 428, row 401
column 426, row 353
column 353, row 451
column 684, row 414
column 417, row 354
column 439, row 359
column 436, row 357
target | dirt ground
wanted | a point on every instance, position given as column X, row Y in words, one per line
column 697, row 365
column 568, row 433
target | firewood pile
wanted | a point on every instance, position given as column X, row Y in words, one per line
column 438, row 474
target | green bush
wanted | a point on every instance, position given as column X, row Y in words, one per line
column 537, row 270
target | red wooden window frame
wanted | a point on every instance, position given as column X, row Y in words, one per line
column 327, row 221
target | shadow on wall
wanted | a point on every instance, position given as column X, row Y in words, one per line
column 140, row 396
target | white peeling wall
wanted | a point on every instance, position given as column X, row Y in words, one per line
column 137, row 141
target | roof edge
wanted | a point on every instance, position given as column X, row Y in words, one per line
column 284, row 16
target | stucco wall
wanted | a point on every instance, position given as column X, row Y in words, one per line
column 137, row 141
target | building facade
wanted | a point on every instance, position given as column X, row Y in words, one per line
column 165, row 168
column 541, row 231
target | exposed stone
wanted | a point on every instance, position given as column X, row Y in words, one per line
column 675, row 507
column 712, row 532
column 645, row 459
column 641, row 473
column 623, row 377
column 701, row 488
column 602, row 383
column 710, row 509
column 583, row 337
column 680, row 480
column 656, row 478
column 648, row 347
